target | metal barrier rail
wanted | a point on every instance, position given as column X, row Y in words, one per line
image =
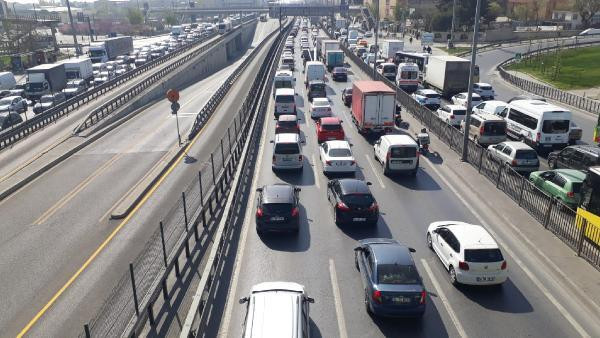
column 519, row 42
column 10, row 136
column 130, row 304
column 552, row 214
column 540, row 89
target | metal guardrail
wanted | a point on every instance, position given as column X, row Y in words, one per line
column 552, row 214
column 10, row 136
column 541, row 89
column 518, row 42
column 130, row 304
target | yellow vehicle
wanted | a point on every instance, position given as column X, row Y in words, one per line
column 588, row 212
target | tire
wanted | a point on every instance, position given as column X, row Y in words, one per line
column 429, row 241
column 452, row 276
column 367, row 307
column 356, row 262
column 335, row 218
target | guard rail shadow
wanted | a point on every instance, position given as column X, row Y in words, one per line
column 551, row 213
column 189, row 223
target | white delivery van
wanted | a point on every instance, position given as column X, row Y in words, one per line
column 314, row 70
column 285, row 101
column 397, row 153
column 539, row 124
column 283, row 79
column 7, row 80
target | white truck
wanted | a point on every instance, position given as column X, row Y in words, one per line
column 328, row 45
column 78, row 68
column 390, row 47
column 7, row 80
column 448, row 74
column 318, row 40
column 177, row 30
column 45, row 79
column 109, row 49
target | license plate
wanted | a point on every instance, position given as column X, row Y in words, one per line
column 359, row 219
column 285, row 159
column 406, row 161
column 485, row 279
column 277, row 218
column 396, row 161
column 400, row 300
column 331, row 138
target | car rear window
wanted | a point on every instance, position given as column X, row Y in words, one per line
column 277, row 208
column 361, row 200
column 433, row 96
column 459, row 112
column 286, row 124
column 524, row 154
column 403, row 152
column 340, row 152
column 287, row 148
column 494, row 128
column 389, row 69
column 485, row 87
column 331, row 127
column 555, row 126
column 284, row 99
column 397, row 274
column 483, row 255
column 576, row 187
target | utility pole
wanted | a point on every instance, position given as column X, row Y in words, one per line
column 77, row 47
column 451, row 41
column 471, row 73
column 376, row 29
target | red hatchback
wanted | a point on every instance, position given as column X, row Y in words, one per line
column 329, row 128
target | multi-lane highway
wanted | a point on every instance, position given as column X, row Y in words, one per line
column 54, row 224
column 539, row 299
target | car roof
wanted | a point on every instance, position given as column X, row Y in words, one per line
column 286, row 138
column 483, row 84
column 284, row 91
column 496, row 103
column 466, row 94
column 320, row 99
column 428, row 91
column 396, row 139
column 571, row 174
column 337, row 144
column 391, row 253
column 11, row 97
column 330, row 120
column 471, row 236
column 455, row 106
column 353, row 186
column 287, row 117
column 488, row 117
column 517, row 145
column 278, row 193
column 590, row 149
column 537, row 105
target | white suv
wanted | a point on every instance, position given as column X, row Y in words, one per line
column 468, row 252
column 428, row 98
column 452, row 114
column 484, row 90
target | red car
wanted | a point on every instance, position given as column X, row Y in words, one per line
column 329, row 128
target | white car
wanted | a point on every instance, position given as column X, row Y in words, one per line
column 484, row 90
column 452, row 114
column 468, row 252
column 428, row 98
column 320, row 107
column 368, row 34
column 490, row 107
column 461, row 99
column 337, row 157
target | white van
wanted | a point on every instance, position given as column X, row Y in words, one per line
column 314, row 70
column 285, row 101
column 287, row 152
column 283, row 79
column 7, row 80
column 539, row 124
column 277, row 309
column 397, row 153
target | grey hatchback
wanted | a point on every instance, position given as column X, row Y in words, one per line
column 277, row 208
column 391, row 282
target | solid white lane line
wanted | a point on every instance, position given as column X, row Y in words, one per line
column 339, row 311
column 224, row 329
column 314, row 170
column 442, row 297
column 375, row 171
column 580, row 330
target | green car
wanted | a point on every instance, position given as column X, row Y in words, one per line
column 564, row 184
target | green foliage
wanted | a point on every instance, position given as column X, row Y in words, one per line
column 170, row 19
column 495, row 9
column 441, row 21
column 465, row 10
column 135, row 16
column 401, row 13
column 587, row 9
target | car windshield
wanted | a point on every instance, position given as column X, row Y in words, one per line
column 319, row 103
column 485, row 87
column 361, row 200
column 483, row 255
column 339, row 152
column 283, row 84
column 555, row 126
column 389, row 69
column 494, row 128
column 403, row 152
column 330, row 127
column 524, row 154
column 459, row 112
column 317, row 87
column 5, row 102
column 46, row 99
column 286, row 148
column 277, row 208
column 284, row 98
column 339, row 70
column 433, row 96
column 397, row 274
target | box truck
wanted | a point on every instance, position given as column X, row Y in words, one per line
column 109, row 49
column 78, row 68
column 390, row 47
column 373, row 106
column 334, row 58
column 45, row 79
column 7, row 80
column 448, row 74
column 327, row 45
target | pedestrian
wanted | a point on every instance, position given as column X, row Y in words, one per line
column 410, row 40
column 429, row 49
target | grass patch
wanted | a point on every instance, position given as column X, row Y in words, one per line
column 579, row 68
column 456, row 50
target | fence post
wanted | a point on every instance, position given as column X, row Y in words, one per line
column 581, row 237
column 185, row 219
column 86, row 328
column 480, row 160
column 523, row 183
column 212, row 163
column 135, row 299
column 499, row 175
column 150, row 315
column 223, row 159
column 162, row 238
column 548, row 212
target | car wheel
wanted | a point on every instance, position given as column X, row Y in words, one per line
column 452, row 275
column 429, row 241
column 335, row 217
column 367, row 307
column 356, row 262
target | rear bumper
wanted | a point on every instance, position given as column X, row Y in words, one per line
column 295, row 166
column 290, row 226
column 339, row 169
column 397, row 312
column 471, row 279
column 349, row 218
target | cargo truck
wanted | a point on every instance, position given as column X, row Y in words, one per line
column 334, row 58
column 327, row 45
column 448, row 74
column 78, row 68
column 373, row 106
column 390, row 47
column 45, row 79
column 109, row 49
column 318, row 43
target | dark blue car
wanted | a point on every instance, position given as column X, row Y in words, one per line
column 391, row 282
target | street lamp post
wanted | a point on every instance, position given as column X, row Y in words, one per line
column 451, row 41
column 376, row 29
column 77, row 47
column 471, row 73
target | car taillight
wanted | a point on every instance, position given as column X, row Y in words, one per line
column 300, row 158
column 570, row 194
column 377, row 296
column 273, row 158
column 423, row 297
column 352, row 162
column 463, row 266
column 259, row 212
column 374, row 207
column 328, row 162
column 504, row 265
column 538, row 137
column 481, row 130
column 341, row 206
column 295, row 212
column 451, row 117
column 513, row 163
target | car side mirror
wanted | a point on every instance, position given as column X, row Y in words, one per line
column 259, row 189
column 296, row 189
column 435, row 231
column 243, row 300
column 412, row 250
column 309, row 299
column 369, row 183
column 358, row 248
column 303, row 141
column 271, row 141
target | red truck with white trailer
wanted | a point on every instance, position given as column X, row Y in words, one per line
column 373, row 106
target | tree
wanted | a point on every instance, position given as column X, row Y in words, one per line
column 521, row 12
column 494, row 10
column 135, row 16
column 587, row 9
column 441, row 21
column 170, row 19
column 400, row 13
column 465, row 10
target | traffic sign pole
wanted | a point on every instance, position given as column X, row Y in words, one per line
column 173, row 96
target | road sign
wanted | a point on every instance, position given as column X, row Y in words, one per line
column 426, row 39
column 175, row 107
column 172, row 95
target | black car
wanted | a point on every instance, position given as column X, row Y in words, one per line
column 392, row 284
column 9, row 119
column 579, row 157
column 316, row 88
column 306, row 55
column 347, row 96
column 339, row 74
column 277, row 208
column 352, row 201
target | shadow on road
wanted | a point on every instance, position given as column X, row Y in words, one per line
column 289, row 242
column 503, row 298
